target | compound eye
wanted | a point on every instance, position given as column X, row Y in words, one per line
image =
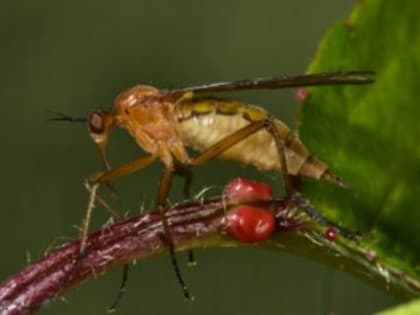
column 96, row 123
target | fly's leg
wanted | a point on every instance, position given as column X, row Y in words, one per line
column 296, row 197
column 226, row 143
column 186, row 173
column 124, row 169
column 303, row 203
column 93, row 196
column 126, row 268
column 164, row 187
column 241, row 134
column 116, row 215
column 121, row 289
column 86, row 221
column 106, row 177
column 191, row 262
column 281, row 149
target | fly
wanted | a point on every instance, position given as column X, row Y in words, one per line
column 165, row 122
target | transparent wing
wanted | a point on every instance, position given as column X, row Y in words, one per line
column 268, row 83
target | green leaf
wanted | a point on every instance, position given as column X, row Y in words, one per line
column 369, row 135
column 412, row 308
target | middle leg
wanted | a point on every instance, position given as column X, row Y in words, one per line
column 164, row 188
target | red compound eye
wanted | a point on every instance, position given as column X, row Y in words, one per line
column 250, row 224
column 240, row 189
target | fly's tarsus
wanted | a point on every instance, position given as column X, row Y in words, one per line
column 304, row 204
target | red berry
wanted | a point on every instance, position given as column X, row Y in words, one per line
column 240, row 190
column 331, row 234
column 250, row 224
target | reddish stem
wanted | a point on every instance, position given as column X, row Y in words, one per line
column 192, row 224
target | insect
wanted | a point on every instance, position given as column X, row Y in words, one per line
column 165, row 122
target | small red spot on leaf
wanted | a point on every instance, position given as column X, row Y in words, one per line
column 250, row 224
column 331, row 234
column 240, row 189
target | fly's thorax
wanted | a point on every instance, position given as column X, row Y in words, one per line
column 148, row 114
column 134, row 95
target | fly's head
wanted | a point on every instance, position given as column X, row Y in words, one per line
column 101, row 122
column 99, row 126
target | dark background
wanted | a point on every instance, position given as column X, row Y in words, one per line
column 76, row 56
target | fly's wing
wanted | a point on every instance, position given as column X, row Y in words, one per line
column 269, row 83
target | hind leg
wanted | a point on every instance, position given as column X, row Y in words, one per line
column 290, row 186
column 186, row 173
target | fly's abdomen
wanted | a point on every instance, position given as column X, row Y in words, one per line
column 204, row 122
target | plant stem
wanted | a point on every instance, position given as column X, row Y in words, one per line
column 192, row 224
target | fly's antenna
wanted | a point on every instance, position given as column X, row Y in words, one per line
column 58, row 116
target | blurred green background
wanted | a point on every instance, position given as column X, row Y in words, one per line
column 76, row 56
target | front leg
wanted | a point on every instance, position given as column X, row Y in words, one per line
column 96, row 179
column 106, row 177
